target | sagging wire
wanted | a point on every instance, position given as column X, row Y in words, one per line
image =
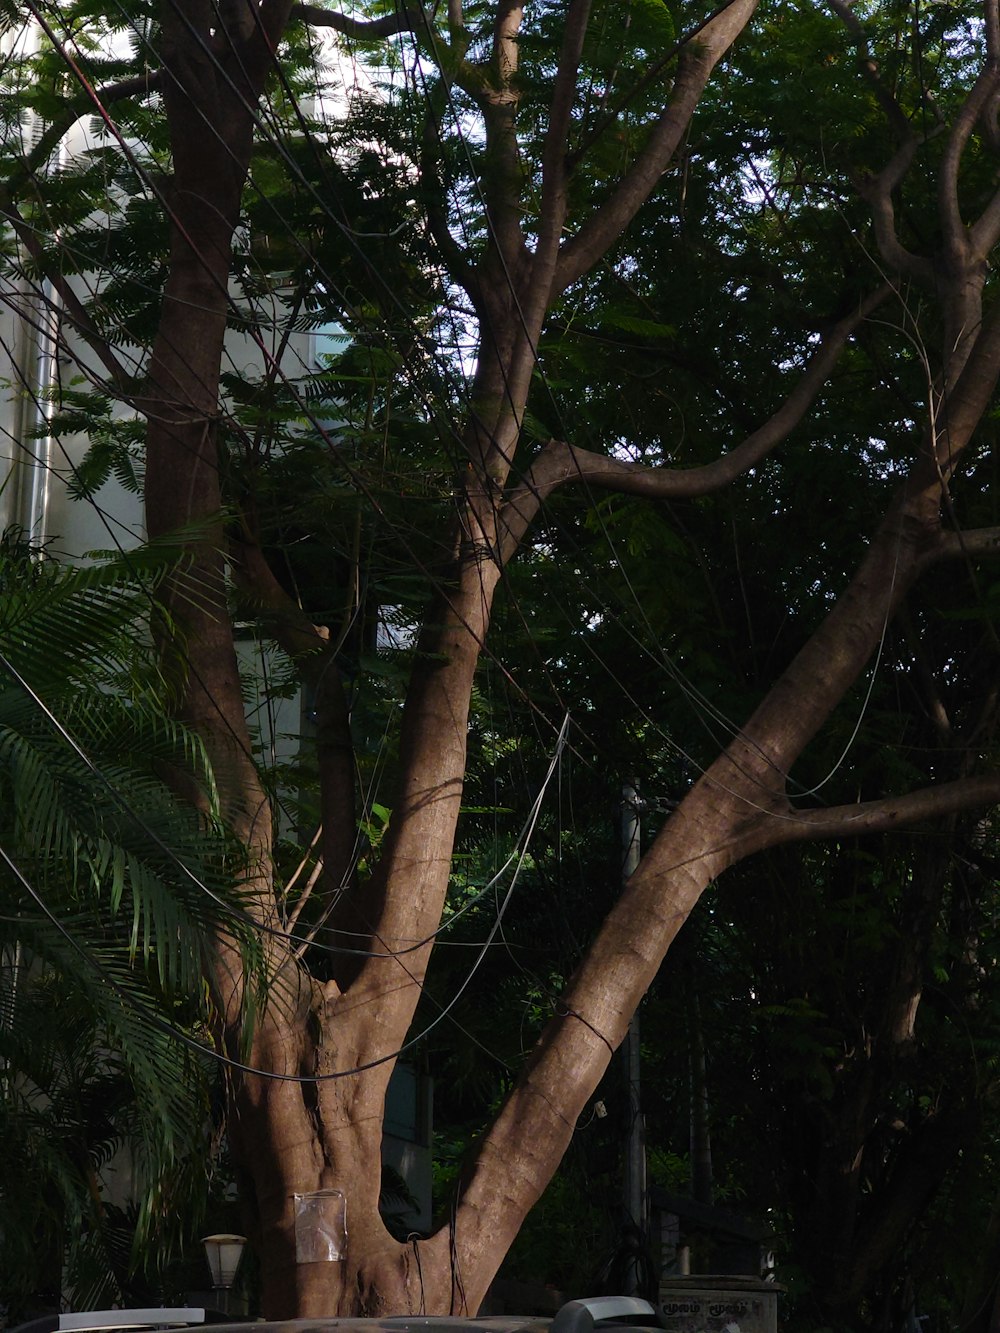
column 335, row 220
column 230, row 1062
column 682, row 678
column 634, row 592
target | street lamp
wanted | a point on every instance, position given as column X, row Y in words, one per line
column 223, row 1253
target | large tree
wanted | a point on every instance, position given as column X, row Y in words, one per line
column 548, row 152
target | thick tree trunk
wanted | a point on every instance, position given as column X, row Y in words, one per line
column 327, row 1134
column 738, row 807
column 305, row 1123
column 311, row 1119
column 296, row 1137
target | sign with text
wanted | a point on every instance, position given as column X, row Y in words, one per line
column 718, row 1305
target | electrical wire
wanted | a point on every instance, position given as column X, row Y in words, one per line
column 241, row 915
column 702, row 701
column 179, row 1034
column 734, row 730
column 212, row 128
column 679, row 676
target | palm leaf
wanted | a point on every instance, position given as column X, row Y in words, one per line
column 109, row 889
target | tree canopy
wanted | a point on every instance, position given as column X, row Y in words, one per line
column 544, row 386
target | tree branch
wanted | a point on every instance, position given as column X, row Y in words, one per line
column 536, row 294
column 292, row 628
column 499, row 99
column 560, row 462
column 403, row 20
column 956, row 237
column 552, row 209
column 79, row 106
column 434, row 193
column 974, row 543
column 962, row 410
column 989, row 113
column 639, row 86
column 25, row 172
column 892, row 812
column 309, row 646
column 695, row 65
column 928, row 694
column 72, row 306
column 877, row 190
column 869, row 67
column 985, row 231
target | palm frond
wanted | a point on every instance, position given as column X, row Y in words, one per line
column 110, row 889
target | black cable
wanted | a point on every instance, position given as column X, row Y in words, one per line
column 178, row 1033
column 619, row 561
column 680, row 676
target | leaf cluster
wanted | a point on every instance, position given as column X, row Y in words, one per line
column 110, row 889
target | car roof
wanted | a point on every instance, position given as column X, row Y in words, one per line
column 573, row 1317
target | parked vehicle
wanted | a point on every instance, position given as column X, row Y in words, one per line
column 623, row 1314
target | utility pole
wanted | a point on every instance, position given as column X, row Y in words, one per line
column 702, row 1185
column 635, row 1146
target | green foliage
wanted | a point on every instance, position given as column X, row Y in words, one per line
column 658, row 625
column 110, row 889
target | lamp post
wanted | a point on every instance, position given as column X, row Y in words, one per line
column 223, row 1253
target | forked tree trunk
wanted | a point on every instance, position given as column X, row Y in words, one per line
column 326, row 1132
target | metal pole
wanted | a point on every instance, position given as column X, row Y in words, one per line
column 635, row 1147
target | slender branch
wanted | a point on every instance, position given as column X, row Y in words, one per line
column 308, row 856
column 553, row 197
column 560, row 462
column 637, row 87
column 25, row 172
column 963, row 409
column 293, row 919
column 877, row 189
column 310, row 647
column 80, row 105
column 553, row 205
column 695, row 65
column 403, row 20
column 499, row 100
column 892, row 812
column 72, row 306
column 927, row 692
column 956, row 237
column 869, row 67
column 985, row 231
column 989, row 113
column 434, row 193
column 257, row 57
column 292, row 628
